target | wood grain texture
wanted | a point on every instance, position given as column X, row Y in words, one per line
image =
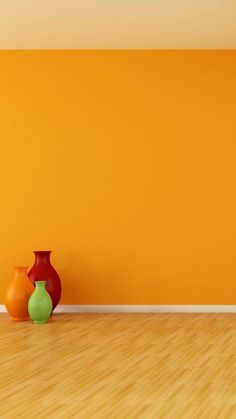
column 119, row 366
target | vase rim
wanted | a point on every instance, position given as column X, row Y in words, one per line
column 42, row 251
column 40, row 282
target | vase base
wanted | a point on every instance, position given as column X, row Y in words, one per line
column 39, row 321
column 18, row 319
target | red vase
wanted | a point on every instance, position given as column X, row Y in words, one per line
column 44, row 271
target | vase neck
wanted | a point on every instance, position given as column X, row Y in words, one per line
column 42, row 257
column 20, row 272
column 40, row 284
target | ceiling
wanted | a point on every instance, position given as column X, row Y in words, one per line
column 117, row 24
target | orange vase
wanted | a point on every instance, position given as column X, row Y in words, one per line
column 18, row 294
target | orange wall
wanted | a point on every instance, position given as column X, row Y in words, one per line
column 123, row 163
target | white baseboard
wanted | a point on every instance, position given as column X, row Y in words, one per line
column 146, row 309
column 117, row 308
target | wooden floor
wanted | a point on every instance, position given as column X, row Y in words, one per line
column 119, row 366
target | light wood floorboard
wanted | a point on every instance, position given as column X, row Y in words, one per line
column 117, row 366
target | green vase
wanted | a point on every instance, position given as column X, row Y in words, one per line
column 40, row 303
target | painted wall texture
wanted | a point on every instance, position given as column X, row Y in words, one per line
column 124, row 164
